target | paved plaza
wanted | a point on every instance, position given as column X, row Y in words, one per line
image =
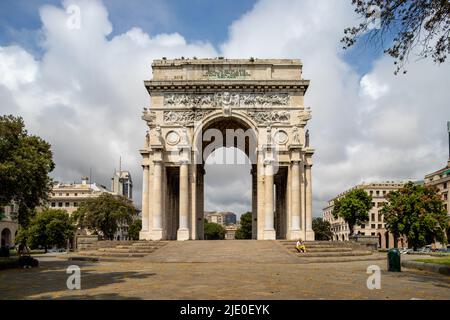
column 219, row 270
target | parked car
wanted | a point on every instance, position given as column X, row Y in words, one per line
column 406, row 250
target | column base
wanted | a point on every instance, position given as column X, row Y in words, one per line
column 156, row 234
column 183, row 234
column 144, row 235
column 270, row 234
column 295, row 234
column 309, row 235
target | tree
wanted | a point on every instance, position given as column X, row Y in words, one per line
column 423, row 23
column 104, row 214
column 353, row 207
column 213, row 231
column 25, row 162
column 322, row 229
column 245, row 230
column 134, row 229
column 49, row 228
column 416, row 212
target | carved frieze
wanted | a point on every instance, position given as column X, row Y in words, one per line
column 183, row 117
column 226, row 99
column 264, row 117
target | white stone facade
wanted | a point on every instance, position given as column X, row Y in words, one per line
column 190, row 99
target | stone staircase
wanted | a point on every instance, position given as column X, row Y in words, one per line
column 332, row 251
column 116, row 250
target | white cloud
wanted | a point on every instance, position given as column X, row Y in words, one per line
column 85, row 96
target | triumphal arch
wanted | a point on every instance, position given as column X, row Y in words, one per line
column 199, row 105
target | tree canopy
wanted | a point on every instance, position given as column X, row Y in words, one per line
column 49, row 228
column 104, row 214
column 134, row 229
column 353, row 207
column 417, row 212
column 213, row 231
column 25, row 162
column 322, row 229
column 412, row 23
column 245, row 229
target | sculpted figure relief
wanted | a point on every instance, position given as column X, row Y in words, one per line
column 227, row 99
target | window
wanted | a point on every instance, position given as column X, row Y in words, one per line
column 384, row 192
column 373, row 204
column 373, row 217
column 378, row 192
column 445, row 196
column 379, row 204
column 380, row 226
column 445, row 185
column 60, row 204
column 76, row 194
column 75, row 204
column 379, row 217
column 67, row 194
column 67, row 204
column 363, row 233
column 53, row 204
column 372, row 225
column 371, row 192
column 372, row 234
column 363, row 226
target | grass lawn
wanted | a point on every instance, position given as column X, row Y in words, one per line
column 443, row 260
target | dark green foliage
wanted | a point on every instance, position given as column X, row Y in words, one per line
column 417, row 212
column 213, row 231
column 134, row 229
column 25, row 161
column 353, row 207
column 47, row 229
column 245, row 230
column 103, row 215
column 322, row 229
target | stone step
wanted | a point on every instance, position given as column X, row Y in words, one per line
column 308, row 249
column 112, row 254
column 129, row 250
column 343, row 259
column 334, row 254
column 137, row 247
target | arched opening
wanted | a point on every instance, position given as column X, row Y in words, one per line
column 6, row 238
column 387, row 240
column 227, row 188
column 227, row 170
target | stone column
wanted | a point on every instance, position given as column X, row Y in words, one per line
column 308, row 201
column 269, row 231
column 296, row 204
column 254, row 201
column 260, row 198
column 145, row 206
column 157, row 231
column 183, row 231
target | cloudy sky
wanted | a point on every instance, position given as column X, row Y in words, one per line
column 82, row 89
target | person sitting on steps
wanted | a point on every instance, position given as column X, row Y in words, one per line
column 300, row 246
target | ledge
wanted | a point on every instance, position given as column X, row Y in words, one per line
column 431, row 267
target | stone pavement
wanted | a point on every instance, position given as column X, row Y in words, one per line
column 219, row 270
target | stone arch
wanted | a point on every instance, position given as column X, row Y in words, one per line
column 6, row 237
column 213, row 121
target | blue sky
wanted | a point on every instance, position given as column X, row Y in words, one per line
column 195, row 20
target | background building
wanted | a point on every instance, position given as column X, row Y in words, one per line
column 121, row 183
column 8, row 225
column 69, row 196
column 375, row 226
column 441, row 180
column 221, row 217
